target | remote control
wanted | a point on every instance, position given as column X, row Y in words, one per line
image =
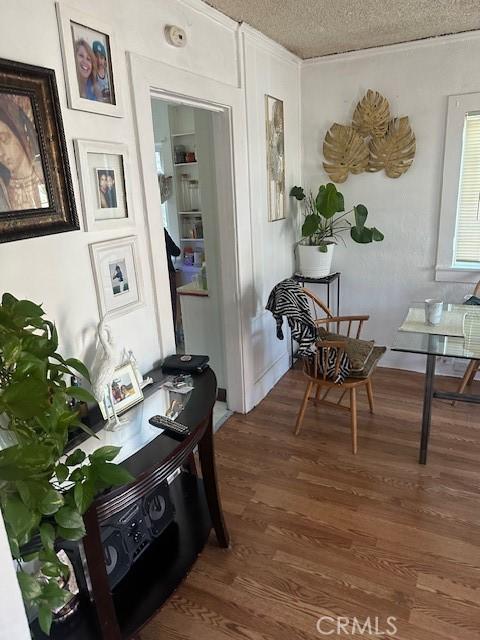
column 174, row 429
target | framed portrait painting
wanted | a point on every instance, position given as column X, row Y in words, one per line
column 36, row 195
column 116, row 271
column 89, row 58
column 105, row 186
column 274, row 125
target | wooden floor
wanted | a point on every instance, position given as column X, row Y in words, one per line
column 318, row 532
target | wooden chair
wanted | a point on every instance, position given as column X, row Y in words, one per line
column 473, row 365
column 315, row 369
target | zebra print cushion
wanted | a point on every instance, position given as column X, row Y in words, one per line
column 338, row 377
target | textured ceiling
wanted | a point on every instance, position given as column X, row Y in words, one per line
column 311, row 28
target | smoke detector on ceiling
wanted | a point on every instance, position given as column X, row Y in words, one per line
column 176, row 36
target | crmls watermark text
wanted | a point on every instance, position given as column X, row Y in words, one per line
column 371, row 626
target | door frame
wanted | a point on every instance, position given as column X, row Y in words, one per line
column 153, row 79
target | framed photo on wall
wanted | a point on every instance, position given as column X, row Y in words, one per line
column 105, row 184
column 124, row 391
column 36, row 195
column 275, row 128
column 90, row 59
column 116, row 270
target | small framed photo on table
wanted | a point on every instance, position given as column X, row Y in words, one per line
column 90, row 59
column 105, row 185
column 116, row 271
column 124, row 392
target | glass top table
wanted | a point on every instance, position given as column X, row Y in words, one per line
column 438, row 343
column 457, row 336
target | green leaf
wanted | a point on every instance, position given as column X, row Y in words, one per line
column 47, row 535
column 61, row 471
column 78, row 365
column 80, row 394
column 45, row 616
column 27, row 398
column 52, row 569
column 71, row 534
column 8, row 300
column 77, row 475
column 51, row 502
column 111, row 474
column 297, row 192
column 363, row 235
column 84, row 494
column 327, row 201
column 18, row 516
column 107, row 453
column 77, row 457
column 377, row 235
column 310, row 225
column 28, row 309
column 323, row 248
column 29, row 586
column 69, row 518
column 361, row 213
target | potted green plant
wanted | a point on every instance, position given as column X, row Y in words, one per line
column 43, row 493
column 322, row 228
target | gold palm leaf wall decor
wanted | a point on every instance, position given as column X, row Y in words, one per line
column 375, row 141
column 372, row 115
column 345, row 152
column 394, row 152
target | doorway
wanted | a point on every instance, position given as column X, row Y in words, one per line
column 186, row 165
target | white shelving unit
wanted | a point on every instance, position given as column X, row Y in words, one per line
column 190, row 223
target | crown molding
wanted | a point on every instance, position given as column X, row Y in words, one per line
column 422, row 43
column 268, row 45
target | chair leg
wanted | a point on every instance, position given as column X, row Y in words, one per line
column 370, row 394
column 474, row 372
column 353, row 411
column 301, row 413
column 469, row 373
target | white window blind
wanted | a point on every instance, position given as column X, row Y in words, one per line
column 467, row 235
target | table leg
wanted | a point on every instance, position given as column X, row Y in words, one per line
column 427, row 407
column 207, row 462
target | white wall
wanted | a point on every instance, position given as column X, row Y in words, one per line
column 381, row 279
column 268, row 69
column 56, row 269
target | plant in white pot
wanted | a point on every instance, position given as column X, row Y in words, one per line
column 323, row 228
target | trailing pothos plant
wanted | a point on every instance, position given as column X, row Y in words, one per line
column 322, row 226
column 43, row 494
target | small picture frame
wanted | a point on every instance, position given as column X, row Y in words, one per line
column 105, row 184
column 116, row 271
column 125, row 391
column 90, row 62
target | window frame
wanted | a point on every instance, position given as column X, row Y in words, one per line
column 445, row 269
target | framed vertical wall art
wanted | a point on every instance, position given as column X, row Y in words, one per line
column 90, row 62
column 274, row 129
column 36, row 195
column 105, row 184
column 116, row 271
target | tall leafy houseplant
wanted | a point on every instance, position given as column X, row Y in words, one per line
column 34, row 407
column 322, row 226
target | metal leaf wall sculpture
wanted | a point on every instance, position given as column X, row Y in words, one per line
column 372, row 115
column 394, row 152
column 345, row 152
column 375, row 141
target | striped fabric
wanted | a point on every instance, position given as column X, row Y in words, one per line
column 343, row 369
column 287, row 299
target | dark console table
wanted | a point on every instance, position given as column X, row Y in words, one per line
column 119, row 613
